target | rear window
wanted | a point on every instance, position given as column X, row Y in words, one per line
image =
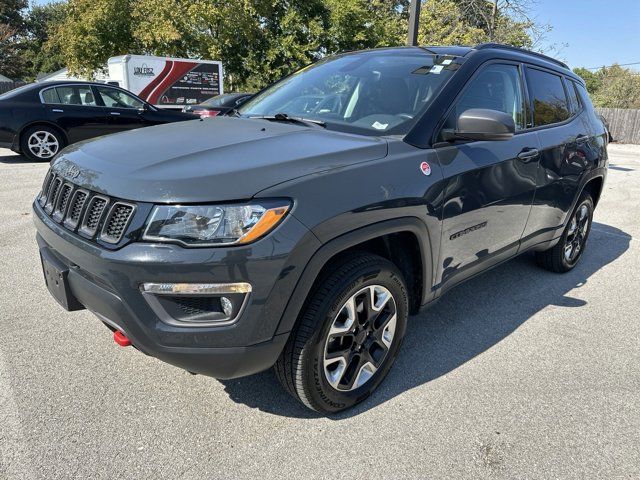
column 573, row 97
column 550, row 103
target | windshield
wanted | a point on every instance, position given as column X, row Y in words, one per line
column 227, row 99
column 377, row 92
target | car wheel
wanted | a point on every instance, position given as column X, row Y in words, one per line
column 568, row 251
column 348, row 334
column 41, row 143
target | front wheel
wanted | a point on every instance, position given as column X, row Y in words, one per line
column 565, row 255
column 348, row 334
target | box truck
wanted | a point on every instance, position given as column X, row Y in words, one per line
column 167, row 82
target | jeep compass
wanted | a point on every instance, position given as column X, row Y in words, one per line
column 302, row 229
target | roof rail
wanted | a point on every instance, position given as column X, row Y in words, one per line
column 500, row 46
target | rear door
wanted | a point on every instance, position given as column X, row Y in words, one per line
column 564, row 138
column 123, row 110
column 490, row 185
column 75, row 110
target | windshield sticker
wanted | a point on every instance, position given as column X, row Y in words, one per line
column 380, row 126
column 422, row 70
column 436, row 69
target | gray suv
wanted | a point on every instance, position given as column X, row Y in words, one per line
column 301, row 230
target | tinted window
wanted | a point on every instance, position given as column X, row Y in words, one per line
column 497, row 87
column 549, row 100
column 76, row 95
column 584, row 96
column 50, row 96
column 113, row 98
column 573, row 97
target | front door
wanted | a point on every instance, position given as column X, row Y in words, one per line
column 124, row 111
column 490, row 185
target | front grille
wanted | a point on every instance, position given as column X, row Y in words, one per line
column 92, row 215
column 117, row 222
column 62, row 201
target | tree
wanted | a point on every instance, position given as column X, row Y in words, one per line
column 593, row 80
column 620, row 88
column 40, row 54
column 11, row 28
column 443, row 23
column 93, row 31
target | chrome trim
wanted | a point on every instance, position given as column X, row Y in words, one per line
column 106, row 238
column 150, row 292
column 195, row 288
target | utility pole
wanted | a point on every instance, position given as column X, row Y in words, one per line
column 414, row 22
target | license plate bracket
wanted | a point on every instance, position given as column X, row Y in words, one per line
column 56, row 276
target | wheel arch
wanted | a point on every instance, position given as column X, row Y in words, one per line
column 397, row 240
column 594, row 186
column 35, row 123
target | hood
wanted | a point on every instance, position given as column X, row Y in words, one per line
column 218, row 159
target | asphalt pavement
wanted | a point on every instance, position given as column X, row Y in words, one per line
column 518, row 373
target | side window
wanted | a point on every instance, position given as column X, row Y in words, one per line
column 574, row 102
column 50, row 96
column 113, row 98
column 550, row 103
column 497, row 87
column 584, row 96
column 73, row 95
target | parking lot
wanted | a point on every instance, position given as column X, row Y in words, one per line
column 519, row 373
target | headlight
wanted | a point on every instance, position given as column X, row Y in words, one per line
column 213, row 225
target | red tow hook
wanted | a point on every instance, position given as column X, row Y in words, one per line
column 121, row 339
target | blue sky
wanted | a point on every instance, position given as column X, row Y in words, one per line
column 598, row 32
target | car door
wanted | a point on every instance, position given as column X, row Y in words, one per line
column 74, row 108
column 489, row 185
column 123, row 110
column 565, row 151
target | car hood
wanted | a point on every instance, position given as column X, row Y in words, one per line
column 217, row 159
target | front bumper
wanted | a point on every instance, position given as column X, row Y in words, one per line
column 107, row 282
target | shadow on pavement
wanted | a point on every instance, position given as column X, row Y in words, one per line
column 14, row 159
column 468, row 320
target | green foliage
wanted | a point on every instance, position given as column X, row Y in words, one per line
column 259, row 41
column 612, row 87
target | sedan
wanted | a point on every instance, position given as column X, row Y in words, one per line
column 40, row 119
column 218, row 105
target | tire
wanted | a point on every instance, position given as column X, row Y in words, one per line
column 41, row 143
column 564, row 256
column 337, row 318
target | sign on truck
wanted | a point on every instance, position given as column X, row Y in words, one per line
column 167, row 82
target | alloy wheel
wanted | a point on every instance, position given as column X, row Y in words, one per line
column 360, row 338
column 43, row 144
column 577, row 234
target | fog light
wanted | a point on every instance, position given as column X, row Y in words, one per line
column 227, row 306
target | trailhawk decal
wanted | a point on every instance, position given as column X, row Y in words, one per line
column 468, row 230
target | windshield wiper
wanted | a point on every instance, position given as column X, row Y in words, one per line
column 283, row 117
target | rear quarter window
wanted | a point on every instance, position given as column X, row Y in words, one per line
column 50, row 96
column 550, row 104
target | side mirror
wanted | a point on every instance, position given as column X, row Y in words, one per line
column 482, row 124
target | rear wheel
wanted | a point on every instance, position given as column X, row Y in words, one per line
column 41, row 143
column 348, row 335
column 568, row 251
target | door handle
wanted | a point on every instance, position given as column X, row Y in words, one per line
column 115, row 113
column 528, row 154
column 57, row 110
